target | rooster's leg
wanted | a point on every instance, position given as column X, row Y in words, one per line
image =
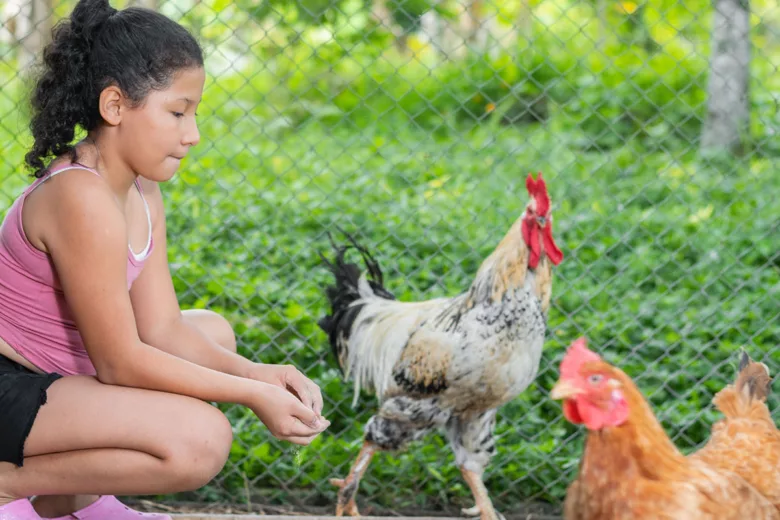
column 349, row 486
column 484, row 507
column 472, row 441
column 400, row 420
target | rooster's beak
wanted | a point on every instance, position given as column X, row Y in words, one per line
column 564, row 390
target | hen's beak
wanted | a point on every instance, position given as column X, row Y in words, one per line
column 563, row 389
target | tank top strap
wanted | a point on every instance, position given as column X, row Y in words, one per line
column 52, row 173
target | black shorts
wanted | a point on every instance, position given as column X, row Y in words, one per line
column 22, row 393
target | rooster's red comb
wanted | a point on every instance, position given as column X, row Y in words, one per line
column 538, row 190
column 577, row 355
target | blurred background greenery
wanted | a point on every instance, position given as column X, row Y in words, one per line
column 412, row 123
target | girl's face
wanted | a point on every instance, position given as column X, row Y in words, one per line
column 156, row 136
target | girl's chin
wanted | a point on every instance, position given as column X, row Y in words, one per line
column 163, row 173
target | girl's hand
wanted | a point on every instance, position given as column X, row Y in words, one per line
column 285, row 416
column 291, row 379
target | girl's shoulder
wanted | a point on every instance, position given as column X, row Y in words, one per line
column 70, row 203
column 71, row 181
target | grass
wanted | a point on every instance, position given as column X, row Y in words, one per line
column 671, row 266
column 671, row 258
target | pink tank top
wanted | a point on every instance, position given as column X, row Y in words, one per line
column 35, row 319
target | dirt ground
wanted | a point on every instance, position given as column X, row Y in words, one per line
column 201, row 510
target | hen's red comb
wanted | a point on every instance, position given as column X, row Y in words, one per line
column 538, row 190
column 577, row 355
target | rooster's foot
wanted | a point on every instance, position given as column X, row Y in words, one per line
column 475, row 513
column 343, row 506
column 350, row 509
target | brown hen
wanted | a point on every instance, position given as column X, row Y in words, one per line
column 630, row 469
column 746, row 441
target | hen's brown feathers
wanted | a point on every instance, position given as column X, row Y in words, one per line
column 635, row 472
column 753, row 379
column 746, row 441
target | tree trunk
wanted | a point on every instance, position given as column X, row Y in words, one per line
column 33, row 31
column 384, row 17
column 473, row 23
column 11, row 14
column 601, row 15
column 728, row 103
column 149, row 4
column 474, row 29
column 442, row 34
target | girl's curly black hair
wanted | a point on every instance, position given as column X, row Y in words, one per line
column 136, row 49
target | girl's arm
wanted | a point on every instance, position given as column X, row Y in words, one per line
column 160, row 322
column 85, row 234
column 157, row 313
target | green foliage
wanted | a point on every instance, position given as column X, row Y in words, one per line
column 671, row 258
column 603, row 87
column 671, row 267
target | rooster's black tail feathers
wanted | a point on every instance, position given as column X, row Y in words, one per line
column 345, row 291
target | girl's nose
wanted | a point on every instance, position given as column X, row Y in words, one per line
column 192, row 135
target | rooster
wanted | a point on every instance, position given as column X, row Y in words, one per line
column 630, row 469
column 746, row 441
column 445, row 363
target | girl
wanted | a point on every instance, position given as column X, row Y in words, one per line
column 104, row 382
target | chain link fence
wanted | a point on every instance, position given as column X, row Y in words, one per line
column 412, row 125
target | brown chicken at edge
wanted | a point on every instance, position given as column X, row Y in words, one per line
column 746, row 441
column 630, row 469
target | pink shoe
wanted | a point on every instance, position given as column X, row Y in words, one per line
column 105, row 508
column 18, row 510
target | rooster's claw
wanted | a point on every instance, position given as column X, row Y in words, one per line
column 350, row 507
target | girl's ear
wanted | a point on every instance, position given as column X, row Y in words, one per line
column 111, row 105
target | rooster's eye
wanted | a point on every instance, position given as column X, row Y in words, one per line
column 541, row 221
column 595, row 379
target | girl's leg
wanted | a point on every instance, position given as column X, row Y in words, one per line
column 213, row 325
column 111, row 440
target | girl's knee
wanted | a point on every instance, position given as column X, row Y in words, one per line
column 214, row 326
column 201, row 448
column 224, row 333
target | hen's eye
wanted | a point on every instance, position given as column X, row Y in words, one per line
column 595, row 379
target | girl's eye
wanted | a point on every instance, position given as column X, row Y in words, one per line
column 595, row 379
column 178, row 114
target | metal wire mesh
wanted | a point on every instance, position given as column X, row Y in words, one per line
column 412, row 124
